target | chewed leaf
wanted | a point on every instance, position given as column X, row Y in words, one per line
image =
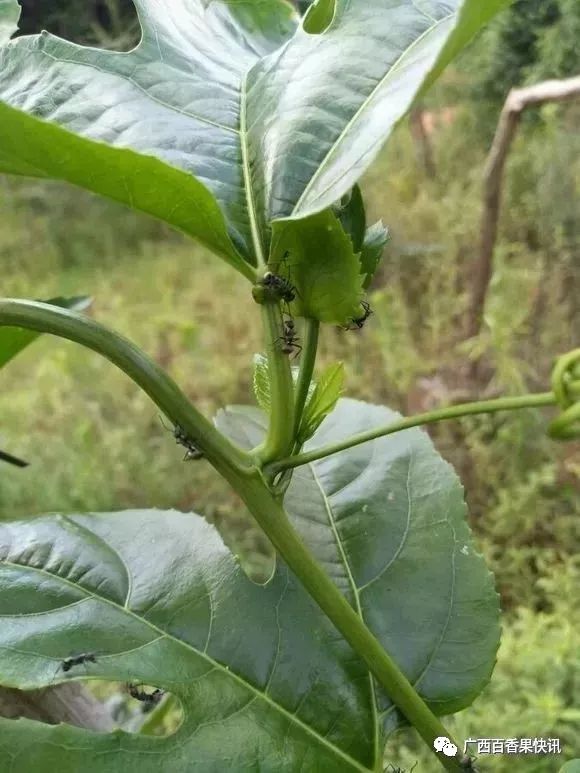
column 156, row 598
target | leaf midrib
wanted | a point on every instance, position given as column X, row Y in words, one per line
column 355, row 592
column 334, row 147
column 251, row 204
column 216, row 664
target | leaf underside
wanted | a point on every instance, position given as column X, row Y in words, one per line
column 228, row 115
column 264, row 680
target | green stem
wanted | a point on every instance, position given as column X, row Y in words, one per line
column 452, row 412
column 307, row 361
column 280, row 437
column 164, row 392
column 273, row 520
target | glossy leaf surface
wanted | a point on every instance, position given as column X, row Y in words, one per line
column 228, row 115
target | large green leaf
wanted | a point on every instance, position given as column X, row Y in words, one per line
column 320, row 109
column 157, row 128
column 228, row 115
column 264, row 680
column 388, row 521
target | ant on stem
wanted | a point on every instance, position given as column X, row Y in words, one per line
column 289, row 341
column 181, row 438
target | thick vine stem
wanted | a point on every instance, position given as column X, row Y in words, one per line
column 443, row 414
column 43, row 318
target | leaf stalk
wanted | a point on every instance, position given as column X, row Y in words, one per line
column 280, row 438
column 442, row 414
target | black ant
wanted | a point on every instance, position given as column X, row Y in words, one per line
column 4, row 457
column 78, row 660
column 359, row 322
column 149, row 699
column 392, row 769
column 182, row 439
column 289, row 340
column 278, row 288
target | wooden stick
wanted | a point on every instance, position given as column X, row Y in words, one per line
column 518, row 100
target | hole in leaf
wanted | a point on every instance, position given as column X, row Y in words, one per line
column 110, row 24
column 147, row 710
column 139, row 708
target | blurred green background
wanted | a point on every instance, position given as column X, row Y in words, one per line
column 95, row 443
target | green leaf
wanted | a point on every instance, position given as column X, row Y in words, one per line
column 317, row 256
column 351, row 213
column 14, row 340
column 228, row 115
column 322, row 401
column 157, row 128
column 321, row 108
column 319, row 16
column 264, row 680
column 573, row 766
column 387, row 520
column 375, row 241
column 262, row 382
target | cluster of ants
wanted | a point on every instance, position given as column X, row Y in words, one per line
column 276, row 288
column 280, row 288
column 148, row 699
